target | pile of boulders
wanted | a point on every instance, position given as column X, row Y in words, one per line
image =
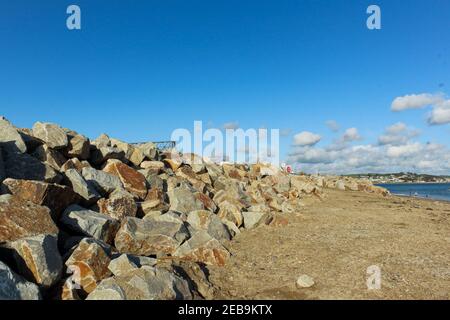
column 106, row 219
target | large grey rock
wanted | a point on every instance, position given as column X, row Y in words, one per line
column 148, row 149
column 103, row 154
column 80, row 186
column 53, row 135
column 146, row 283
column 127, row 262
column 253, row 219
column 37, row 259
column 14, row 287
column 78, row 147
column 49, row 156
column 206, row 220
column 103, row 182
column 182, row 199
column 10, row 138
column 102, row 140
column 90, row 223
column 201, row 247
column 150, row 237
column 132, row 154
column 26, row 167
column 195, row 274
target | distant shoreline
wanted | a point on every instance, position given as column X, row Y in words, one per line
column 394, row 183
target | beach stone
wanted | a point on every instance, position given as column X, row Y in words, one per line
column 119, row 205
column 230, row 212
column 149, row 237
column 37, row 259
column 69, row 291
column 143, row 284
column 132, row 154
column 27, row 167
column 194, row 274
column 86, row 191
column 10, row 138
column 195, row 162
column 305, row 281
column 102, row 140
column 186, row 172
column 340, row 185
column 253, row 219
column 148, row 149
column 103, row 154
column 207, row 202
column 55, row 197
column 203, row 248
column 89, row 264
column 182, row 199
column 31, row 142
column 103, row 182
column 14, row 287
column 20, row 219
column 78, row 147
column 133, row 181
column 73, row 163
column 90, row 223
column 206, row 220
column 155, row 166
column 126, row 263
column 53, row 135
column 49, row 156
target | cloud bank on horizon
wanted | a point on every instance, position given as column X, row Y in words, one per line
column 395, row 150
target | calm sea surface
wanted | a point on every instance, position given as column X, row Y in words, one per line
column 438, row 191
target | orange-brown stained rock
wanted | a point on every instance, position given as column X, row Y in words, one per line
column 204, row 249
column 133, row 181
column 119, row 205
column 19, row 219
column 55, row 197
column 187, row 173
column 208, row 203
column 89, row 264
column 68, row 291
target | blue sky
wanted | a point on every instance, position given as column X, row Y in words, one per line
column 139, row 69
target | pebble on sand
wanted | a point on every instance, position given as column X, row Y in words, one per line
column 305, row 281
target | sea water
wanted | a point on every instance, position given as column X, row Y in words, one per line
column 437, row 191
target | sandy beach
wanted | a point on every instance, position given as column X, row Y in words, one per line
column 334, row 241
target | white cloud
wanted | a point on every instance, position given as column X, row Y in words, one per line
column 351, row 134
column 429, row 158
column 306, row 138
column 397, row 134
column 404, row 150
column 440, row 113
column 415, row 101
column 333, row 125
